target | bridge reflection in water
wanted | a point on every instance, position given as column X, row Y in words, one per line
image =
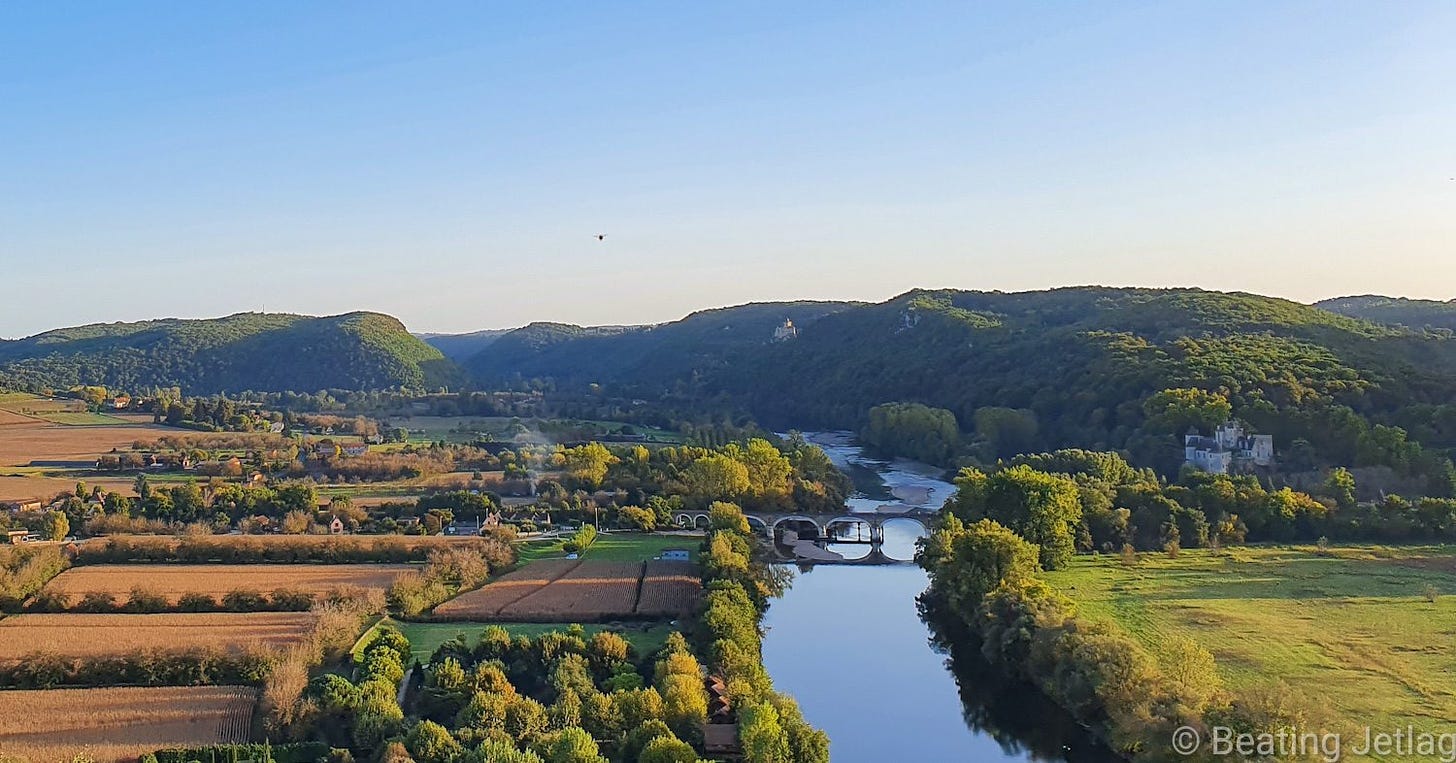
column 822, row 539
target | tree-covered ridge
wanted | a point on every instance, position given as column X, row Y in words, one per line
column 1397, row 311
column 697, row 344
column 256, row 351
column 1068, row 367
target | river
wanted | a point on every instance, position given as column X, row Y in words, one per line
column 849, row 645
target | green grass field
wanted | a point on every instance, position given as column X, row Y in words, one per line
column 617, row 547
column 425, row 638
column 1353, row 626
column 82, row 418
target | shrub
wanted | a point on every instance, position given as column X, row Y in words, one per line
column 196, row 602
column 291, row 600
column 244, row 601
column 145, row 602
column 97, row 602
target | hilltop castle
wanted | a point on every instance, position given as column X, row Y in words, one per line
column 786, row 331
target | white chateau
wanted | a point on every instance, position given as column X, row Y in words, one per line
column 1229, row 449
column 786, row 331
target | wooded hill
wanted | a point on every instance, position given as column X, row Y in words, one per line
column 1078, row 364
column 657, row 356
column 1415, row 313
column 248, row 351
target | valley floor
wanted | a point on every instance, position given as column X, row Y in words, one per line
column 1367, row 630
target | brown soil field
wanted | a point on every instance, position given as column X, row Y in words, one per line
column 15, row 487
column 56, row 442
column 216, row 580
column 592, row 591
column 12, row 419
column 120, row 724
column 105, row 635
column 670, row 589
column 486, row 602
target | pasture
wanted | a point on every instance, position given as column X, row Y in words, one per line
column 110, row 635
column 1369, row 630
column 116, row 724
column 217, row 580
column 616, row 547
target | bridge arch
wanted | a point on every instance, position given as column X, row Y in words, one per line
column 682, row 519
column 924, row 528
column 758, row 525
column 701, row 521
column 868, row 522
column 798, row 521
column 894, row 544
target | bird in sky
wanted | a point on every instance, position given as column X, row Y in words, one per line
column 601, row 237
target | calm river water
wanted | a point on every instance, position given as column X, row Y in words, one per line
column 848, row 644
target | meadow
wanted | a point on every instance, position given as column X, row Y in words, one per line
column 1367, row 629
column 614, row 547
column 115, row 724
column 217, row 580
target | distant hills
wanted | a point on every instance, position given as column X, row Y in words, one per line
column 247, row 351
column 1075, row 364
column 458, row 347
column 1415, row 313
column 699, row 345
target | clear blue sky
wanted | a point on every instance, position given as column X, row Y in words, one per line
column 451, row 163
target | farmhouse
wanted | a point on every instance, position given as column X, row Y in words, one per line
column 1229, row 449
column 354, row 451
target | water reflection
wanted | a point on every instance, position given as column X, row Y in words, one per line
column 849, row 644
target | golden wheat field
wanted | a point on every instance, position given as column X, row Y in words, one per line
column 592, row 591
column 106, row 635
column 217, row 580
column 116, row 724
column 669, row 589
column 486, row 602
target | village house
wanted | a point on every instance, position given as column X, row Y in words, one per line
column 354, row 451
column 336, row 526
column 1229, row 450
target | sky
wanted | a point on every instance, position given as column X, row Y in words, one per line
column 452, row 163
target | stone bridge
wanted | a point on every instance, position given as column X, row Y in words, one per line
column 806, row 534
